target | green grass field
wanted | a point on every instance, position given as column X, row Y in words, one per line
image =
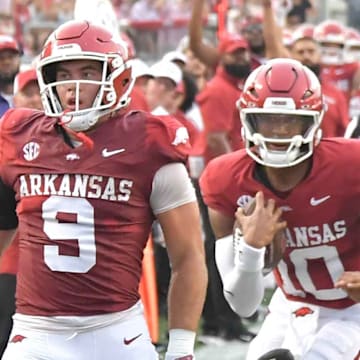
column 222, row 350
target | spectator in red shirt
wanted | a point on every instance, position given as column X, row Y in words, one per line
column 336, row 116
column 165, row 93
column 141, row 73
column 217, row 102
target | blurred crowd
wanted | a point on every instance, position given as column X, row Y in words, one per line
column 200, row 75
column 31, row 21
column 153, row 25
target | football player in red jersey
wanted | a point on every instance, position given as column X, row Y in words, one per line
column 312, row 188
column 336, row 68
column 88, row 179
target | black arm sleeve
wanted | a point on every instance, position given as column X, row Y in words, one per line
column 8, row 217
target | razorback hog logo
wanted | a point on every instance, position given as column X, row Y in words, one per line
column 303, row 311
column 17, row 338
column 181, row 136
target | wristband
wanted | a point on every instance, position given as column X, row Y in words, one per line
column 247, row 258
column 181, row 342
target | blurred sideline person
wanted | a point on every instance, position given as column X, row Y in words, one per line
column 27, row 90
column 9, row 67
column 251, row 30
column 201, row 72
column 304, row 48
column 304, row 186
column 140, row 71
column 164, row 93
column 26, row 95
column 345, row 76
column 87, row 180
column 217, row 100
column 222, row 134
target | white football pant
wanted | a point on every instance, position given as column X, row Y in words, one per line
column 127, row 340
column 310, row 332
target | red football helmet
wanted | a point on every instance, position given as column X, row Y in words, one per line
column 304, row 31
column 81, row 40
column 330, row 35
column 281, row 108
column 352, row 45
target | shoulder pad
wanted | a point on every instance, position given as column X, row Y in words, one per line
column 15, row 117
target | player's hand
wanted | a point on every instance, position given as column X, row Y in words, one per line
column 349, row 281
column 177, row 357
column 259, row 227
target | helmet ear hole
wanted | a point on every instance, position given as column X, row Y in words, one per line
column 49, row 73
column 253, row 92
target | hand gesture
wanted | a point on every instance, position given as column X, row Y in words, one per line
column 349, row 281
column 260, row 226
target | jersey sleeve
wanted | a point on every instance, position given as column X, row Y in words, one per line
column 169, row 137
column 172, row 188
column 11, row 125
column 213, row 187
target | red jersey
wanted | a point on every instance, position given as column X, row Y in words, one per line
column 322, row 213
column 197, row 146
column 84, row 215
column 138, row 101
column 340, row 76
column 336, row 116
column 217, row 103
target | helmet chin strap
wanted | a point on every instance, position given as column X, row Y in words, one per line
column 279, row 157
column 84, row 122
column 81, row 122
column 80, row 136
column 77, row 133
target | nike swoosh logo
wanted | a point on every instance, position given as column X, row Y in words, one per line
column 107, row 153
column 315, row 202
column 229, row 292
column 129, row 341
